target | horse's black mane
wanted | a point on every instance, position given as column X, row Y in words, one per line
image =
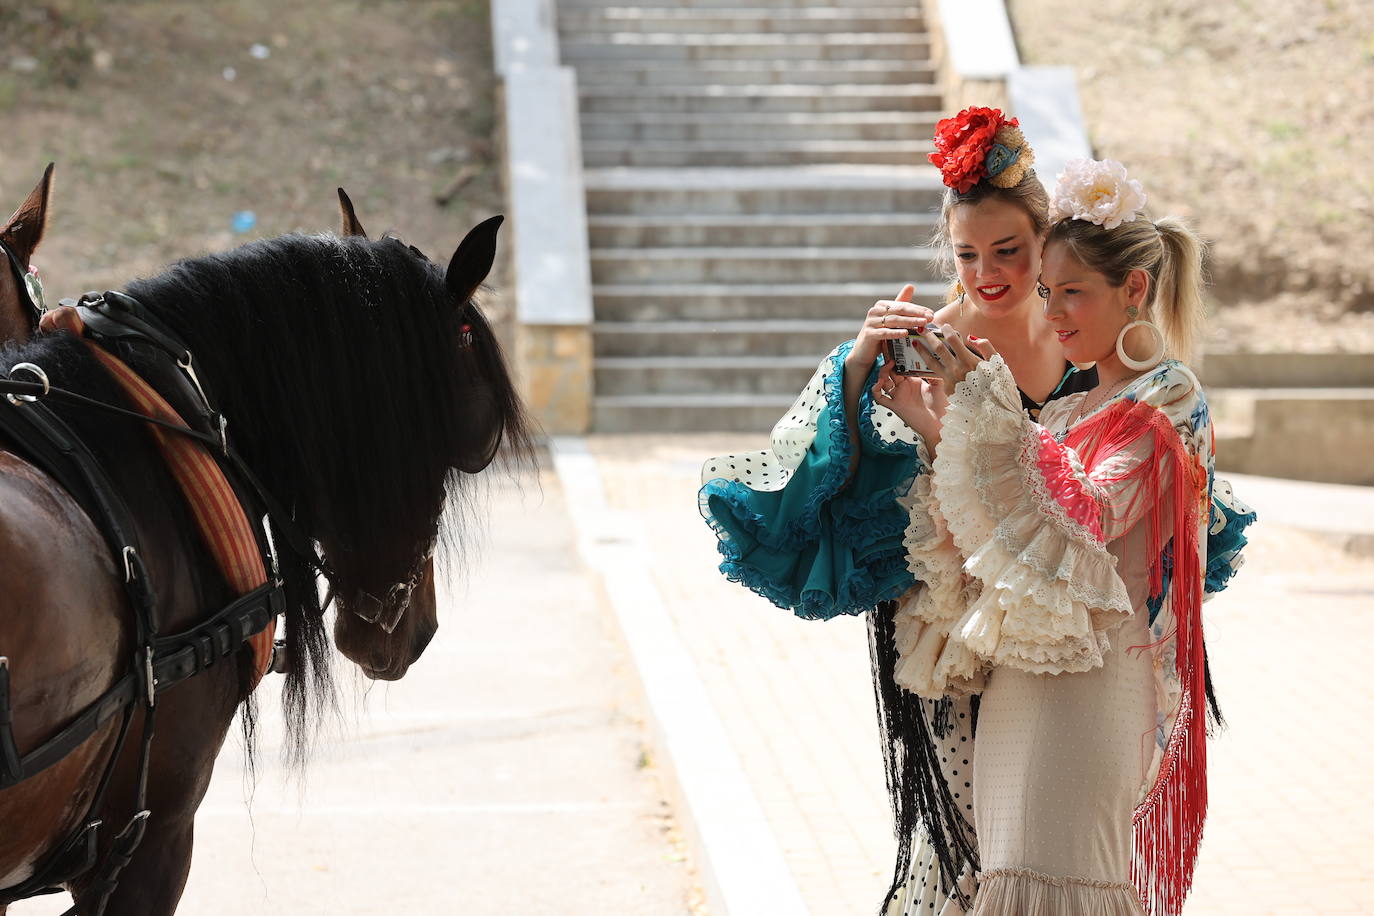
column 337, row 362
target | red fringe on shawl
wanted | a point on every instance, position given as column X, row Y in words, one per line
column 1167, row 825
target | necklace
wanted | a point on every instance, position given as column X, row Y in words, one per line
column 1082, row 412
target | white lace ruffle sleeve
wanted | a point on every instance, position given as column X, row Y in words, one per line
column 929, row 662
column 1028, row 526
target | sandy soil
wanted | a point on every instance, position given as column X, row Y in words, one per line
column 1254, row 119
column 168, row 118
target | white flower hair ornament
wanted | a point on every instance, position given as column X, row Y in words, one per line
column 1098, row 191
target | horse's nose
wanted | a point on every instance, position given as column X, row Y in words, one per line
column 421, row 639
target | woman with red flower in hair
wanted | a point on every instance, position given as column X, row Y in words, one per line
column 817, row 524
column 822, row 522
column 993, row 221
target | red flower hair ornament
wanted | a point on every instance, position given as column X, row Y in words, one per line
column 978, row 144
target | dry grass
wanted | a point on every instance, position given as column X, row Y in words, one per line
column 156, row 149
column 1255, row 119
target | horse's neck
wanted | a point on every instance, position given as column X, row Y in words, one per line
column 16, row 326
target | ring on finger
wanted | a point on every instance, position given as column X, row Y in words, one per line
column 937, row 350
column 884, row 319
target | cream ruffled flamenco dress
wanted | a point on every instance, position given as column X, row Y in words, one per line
column 1063, row 582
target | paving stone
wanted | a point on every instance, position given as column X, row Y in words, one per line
column 1288, row 832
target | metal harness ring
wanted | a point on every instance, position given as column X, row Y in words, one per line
column 42, row 377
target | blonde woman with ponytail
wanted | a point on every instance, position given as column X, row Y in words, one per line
column 1064, row 567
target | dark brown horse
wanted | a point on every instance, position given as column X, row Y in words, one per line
column 362, row 386
column 19, row 238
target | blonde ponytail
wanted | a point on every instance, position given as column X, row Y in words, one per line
column 1178, row 303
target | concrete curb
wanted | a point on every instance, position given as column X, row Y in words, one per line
column 739, row 860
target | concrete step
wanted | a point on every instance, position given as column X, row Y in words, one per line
column 767, row 97
column 578, row 21
column 660, row 46
column 688, row 413
column 677, row 302
column 889, row 266
column 769, row 375
column 628, row 74
column 760, row 230
column 1307, row 414
column 742, row 338
column 754, row 153
column 800, row 189
column 1324, row 434
column 1291, row 370
column 759, row 127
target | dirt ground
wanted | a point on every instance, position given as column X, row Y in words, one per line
column 166, row 119
column 1253, row 118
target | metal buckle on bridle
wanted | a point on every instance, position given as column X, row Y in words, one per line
column 37, row 371
column 185, row 364
column 397, row 597
column 149, row 681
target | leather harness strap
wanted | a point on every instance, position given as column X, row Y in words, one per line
column 219, row 515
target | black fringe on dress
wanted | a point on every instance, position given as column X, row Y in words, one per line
column 921, row 799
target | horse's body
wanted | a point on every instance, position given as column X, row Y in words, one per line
column 19, row 238
column 340, row 366
column 68, row 638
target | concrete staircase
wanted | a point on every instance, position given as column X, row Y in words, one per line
column 755, row 179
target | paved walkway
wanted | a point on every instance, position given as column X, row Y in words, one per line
column 506, row 773
column 509, row 771
column 1290, row 830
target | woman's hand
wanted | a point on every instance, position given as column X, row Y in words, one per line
column 919, row 402
column 951, row 359
column 886, row 320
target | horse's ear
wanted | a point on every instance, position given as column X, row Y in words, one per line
column 472, row 261
column 351, row 226
column 25, row 228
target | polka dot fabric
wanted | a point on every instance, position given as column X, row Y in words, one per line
column 922, row 894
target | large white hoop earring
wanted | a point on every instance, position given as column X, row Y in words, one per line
column 1155, row 358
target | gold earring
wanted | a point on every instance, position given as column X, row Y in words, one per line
column 1132, row 312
